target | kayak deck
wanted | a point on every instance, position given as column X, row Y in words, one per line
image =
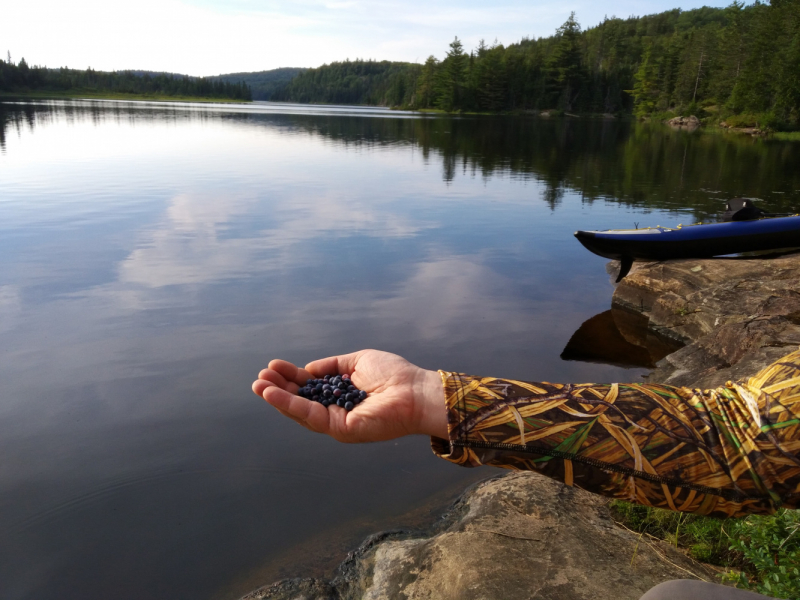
column 692, row 241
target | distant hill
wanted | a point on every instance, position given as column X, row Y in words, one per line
column 263, row 84
column 350, row 82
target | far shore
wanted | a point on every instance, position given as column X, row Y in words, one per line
column 84, row 95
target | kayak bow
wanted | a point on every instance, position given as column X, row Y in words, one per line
column 692, row 241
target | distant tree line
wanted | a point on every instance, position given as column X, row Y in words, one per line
column 350, row 82
column 22, row 78
column 734, row 60
column 262, row 84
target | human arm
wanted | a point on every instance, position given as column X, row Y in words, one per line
column 723, row 452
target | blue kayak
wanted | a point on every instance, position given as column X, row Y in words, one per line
column 692, row 241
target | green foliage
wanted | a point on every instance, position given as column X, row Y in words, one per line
column 263, row 84
column 763, row 550
column 770, row 548
column 645, row 90
column 452, row 78
column 742, row 59
column 353, row 82
column 706, row 538
column 565, row 65
column 22, row 78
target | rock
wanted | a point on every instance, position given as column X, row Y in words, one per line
column 545, row 113
column 690, row 123
column 519, row 535
column 735, row 315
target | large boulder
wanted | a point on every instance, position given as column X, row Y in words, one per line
column 690, row 123
column 518, row 536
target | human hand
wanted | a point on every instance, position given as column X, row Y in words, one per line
column 403, row 398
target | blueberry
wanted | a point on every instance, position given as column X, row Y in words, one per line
column 309, row 381
column 349, row 406
column 326, row 378
column 342, row 386
column 349, row 396
column 326, row 403
column 315, row 398
column 318, row 387
column 337, row 393
column 327, row 393
column 362, row 395
column 326, row 387
column 346, row 376
column 341, row 402
column 351, row 388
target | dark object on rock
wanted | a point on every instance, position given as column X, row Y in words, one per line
column 742, row 209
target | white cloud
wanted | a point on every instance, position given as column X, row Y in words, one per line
column 187, row 248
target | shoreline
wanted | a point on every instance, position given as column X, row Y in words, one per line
column 733, row 316
column 77, row 95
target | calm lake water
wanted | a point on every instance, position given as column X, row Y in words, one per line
column 154, row 257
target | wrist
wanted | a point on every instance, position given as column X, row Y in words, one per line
column 434, row 414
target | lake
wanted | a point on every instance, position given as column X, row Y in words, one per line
column 155, row 256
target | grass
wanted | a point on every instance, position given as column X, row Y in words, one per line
column 81, row 94
column 760, row 553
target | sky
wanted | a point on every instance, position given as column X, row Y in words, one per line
column 210, row 37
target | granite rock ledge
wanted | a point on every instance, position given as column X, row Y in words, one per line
column 734, row 315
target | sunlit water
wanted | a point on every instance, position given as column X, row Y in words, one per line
column 154, row 257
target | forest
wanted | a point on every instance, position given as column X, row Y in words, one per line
column 22, row 78
column 262, row 84
column 741, row 63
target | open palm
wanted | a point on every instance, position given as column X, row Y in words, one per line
column 403, row 398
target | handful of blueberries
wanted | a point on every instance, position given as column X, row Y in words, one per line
column 336, row 389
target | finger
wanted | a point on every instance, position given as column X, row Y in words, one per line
column 344, row 363
column 309, row 414
column 288, row 371
column 273, row 376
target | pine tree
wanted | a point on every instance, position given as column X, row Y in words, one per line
column 645, row 91
column 564, row 66
column 452, row 78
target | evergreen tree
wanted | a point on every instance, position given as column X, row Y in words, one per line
column 452, row 75
column 565, row 68
column 491, row 79
column 426, row 85
column 645, row 91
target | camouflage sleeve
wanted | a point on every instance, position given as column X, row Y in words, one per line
column 723, row 452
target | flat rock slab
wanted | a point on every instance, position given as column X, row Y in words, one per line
column 735, row 315
column 516, row 536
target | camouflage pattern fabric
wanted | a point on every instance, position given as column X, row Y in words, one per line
column 724, row 452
